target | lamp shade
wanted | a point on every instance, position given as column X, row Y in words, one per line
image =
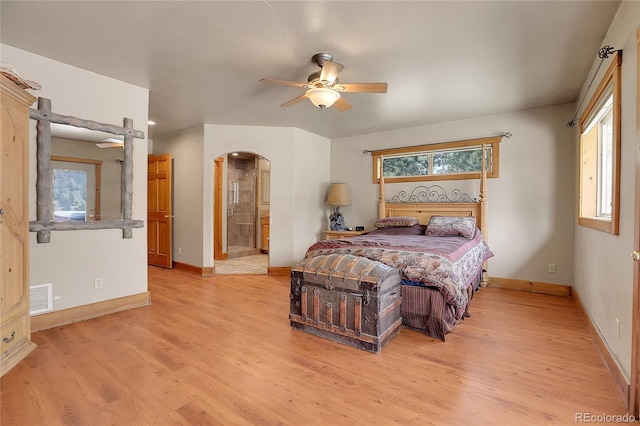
column 339, row 195
column 322, row 97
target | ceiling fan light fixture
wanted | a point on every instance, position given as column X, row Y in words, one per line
column 322, row 97
column 322, row 86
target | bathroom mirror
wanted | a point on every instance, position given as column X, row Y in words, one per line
column 265, row 183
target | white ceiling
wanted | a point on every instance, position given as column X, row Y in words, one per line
column 202, row 60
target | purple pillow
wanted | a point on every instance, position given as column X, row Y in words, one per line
column 400, row 230
column 390, row 222
column 451, row 226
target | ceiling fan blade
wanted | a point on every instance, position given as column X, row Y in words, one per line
column 283, row 82
column 342, row 105
column 295, row 100
column 110, row 144
column 330, row 71
column 361, row 87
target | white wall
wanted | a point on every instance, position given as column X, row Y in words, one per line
column 299, row 170
column 603, row 265
column 73, row 259
column 299, row 177
column 311, row 188
column 531, row 204
column 186, row 149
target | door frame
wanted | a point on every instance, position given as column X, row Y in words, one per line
column 219, row 212
column 218, row 193
column 634, row 391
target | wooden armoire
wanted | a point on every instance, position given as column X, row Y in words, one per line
column 15, row 327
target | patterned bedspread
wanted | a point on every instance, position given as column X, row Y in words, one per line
column 447, row 263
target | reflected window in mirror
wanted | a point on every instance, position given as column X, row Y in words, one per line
column 69, row 194
column 101, row 164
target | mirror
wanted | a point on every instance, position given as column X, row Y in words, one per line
column 78, row 180
column 265, row 185
column 86, row 178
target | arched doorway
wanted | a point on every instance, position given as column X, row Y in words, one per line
column 241, row 213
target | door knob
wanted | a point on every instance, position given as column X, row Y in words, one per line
column 635, row 255
column 1, row 212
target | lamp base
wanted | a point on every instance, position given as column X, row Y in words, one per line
column 337, row 220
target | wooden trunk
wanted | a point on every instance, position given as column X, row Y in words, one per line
column 347, row 299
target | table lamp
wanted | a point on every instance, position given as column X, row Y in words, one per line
column 338, row 196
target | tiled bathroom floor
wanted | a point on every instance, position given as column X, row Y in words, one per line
column 254, row 264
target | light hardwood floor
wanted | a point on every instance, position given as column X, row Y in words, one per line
column 219, row 350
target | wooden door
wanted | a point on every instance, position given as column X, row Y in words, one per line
column 159, row 211
column 634, row 394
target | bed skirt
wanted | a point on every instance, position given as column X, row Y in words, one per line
column 424, row 309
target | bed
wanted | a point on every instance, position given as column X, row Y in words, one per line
column 440, row 248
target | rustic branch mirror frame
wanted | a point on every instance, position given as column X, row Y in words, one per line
column 44, row 223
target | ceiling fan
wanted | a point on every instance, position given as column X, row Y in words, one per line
column 323, row 88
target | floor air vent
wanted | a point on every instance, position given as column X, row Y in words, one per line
column 41, row 299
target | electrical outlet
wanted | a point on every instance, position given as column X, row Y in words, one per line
column 179, row 250
column 98, row 282
column 617, row 328
column 552, row 267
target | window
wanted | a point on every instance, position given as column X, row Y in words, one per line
column 599, row 191
column 75, row 192
column 443, row 161
column 69, row 194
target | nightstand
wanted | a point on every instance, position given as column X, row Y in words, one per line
column 331, row 235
